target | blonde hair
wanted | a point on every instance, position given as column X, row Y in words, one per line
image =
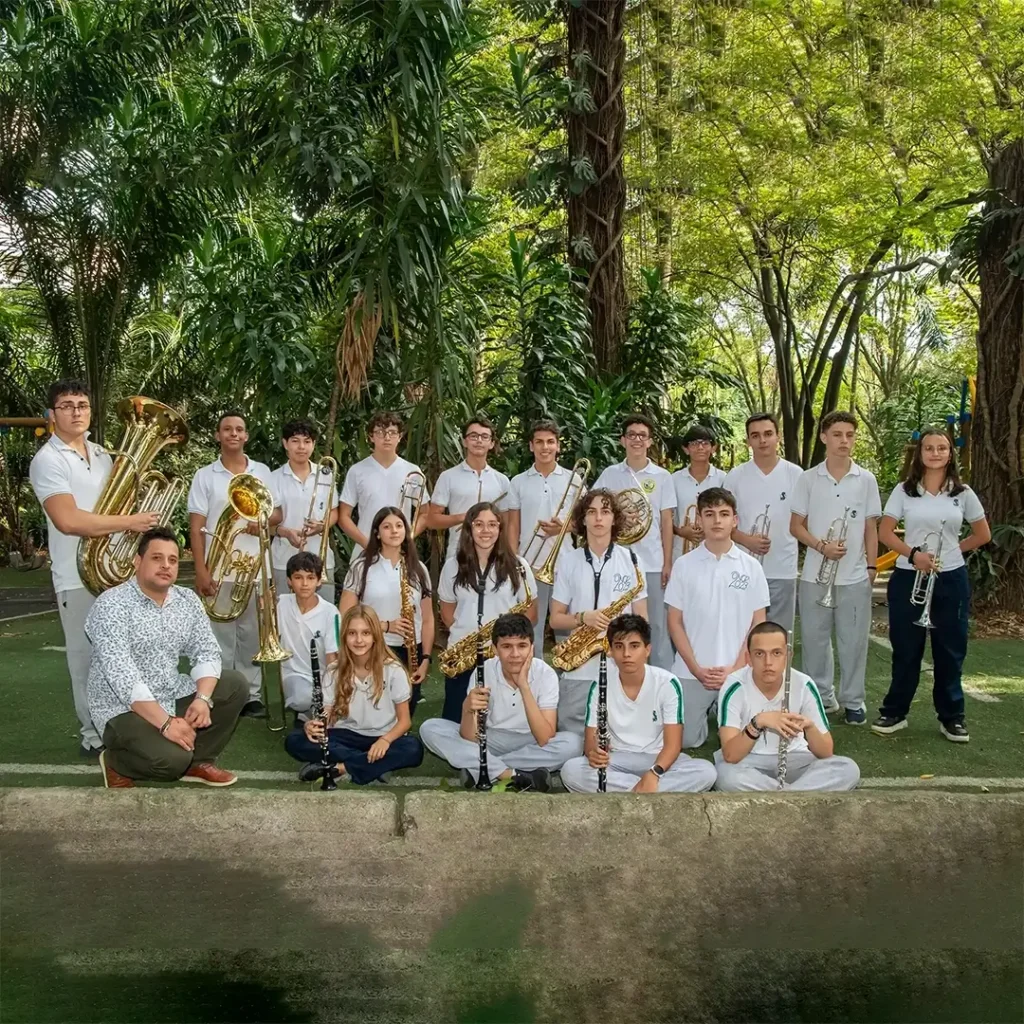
column 344, row 669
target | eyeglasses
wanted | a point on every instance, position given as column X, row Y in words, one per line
column 389, row 433
column 699, row 444
column 634, row 436
column 72, row 407
column 478, row 437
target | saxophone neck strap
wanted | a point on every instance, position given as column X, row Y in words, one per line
column 597, row 572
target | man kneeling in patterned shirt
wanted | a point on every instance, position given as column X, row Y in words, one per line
column 157, row 723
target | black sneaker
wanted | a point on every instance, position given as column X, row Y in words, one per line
column 536, row 781
column 466, row 780
column 254, row 709
column 314, row 770
column 955, row 731
column 886, row 725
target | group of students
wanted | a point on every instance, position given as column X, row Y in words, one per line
column 698, row 619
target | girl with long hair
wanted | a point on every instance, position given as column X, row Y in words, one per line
column 485, row 579
column 375, row 579
column 933, row 503
column 366, row 702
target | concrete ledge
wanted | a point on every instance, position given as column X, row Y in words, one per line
column 197, row 809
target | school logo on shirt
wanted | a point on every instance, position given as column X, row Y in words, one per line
column 853, row 513
column 621, row 583
column 654, row 716
column 782, row 496
column 956, row 501
column 740, row 581
column 649, row 485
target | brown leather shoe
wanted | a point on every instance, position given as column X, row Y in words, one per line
column 209, row 775
column 112, row 779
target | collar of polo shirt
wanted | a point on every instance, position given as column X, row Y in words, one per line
column 469, row 469
column 219, row 467
column 624, row 464
column 61, row 445
column 287, row 470
column 823, row 469
column 733, row 552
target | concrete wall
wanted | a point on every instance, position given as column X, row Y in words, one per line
column 172, row 904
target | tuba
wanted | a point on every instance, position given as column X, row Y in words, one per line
column 149, row 427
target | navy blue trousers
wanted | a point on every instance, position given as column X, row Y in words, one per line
column 350, row 748
column 950, row 611
column 403, row 656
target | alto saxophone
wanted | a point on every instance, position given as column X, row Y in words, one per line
column 461, row 655
column 586, row 641
column 408, row 613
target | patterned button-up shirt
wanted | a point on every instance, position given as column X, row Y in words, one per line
column 136, row 644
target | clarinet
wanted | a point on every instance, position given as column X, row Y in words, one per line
column 783, row 766
column 602, row 720
column 483, row 780
column 327, row 770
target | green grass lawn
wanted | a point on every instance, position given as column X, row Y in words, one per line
column 12, row 578
column 39, row 726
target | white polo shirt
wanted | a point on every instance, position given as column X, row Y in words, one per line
column 687, row 489
column 465, row 598
column 718, row 598
column 383, row 594
column 506, row 710
column 657, row 485
column 752, row 490
column 58, row 469
column 823, row 499
column 364, row 716
column 637, row 726
column 208, row 496
column 458, row 489
column 740, row 699
column 924, row 515
column 294, row 496
column 297, row 629
column 369, row 487
column 574, row 587
column 536, row 497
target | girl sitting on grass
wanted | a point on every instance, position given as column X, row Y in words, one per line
column 367, row 695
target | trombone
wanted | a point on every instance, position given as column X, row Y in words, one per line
column 923, row 590
column 545, row 573
column 325, row 533
column 829, row 568
column 414, row 487
column 762, row 528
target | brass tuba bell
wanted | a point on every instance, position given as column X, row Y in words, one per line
column 149, row 427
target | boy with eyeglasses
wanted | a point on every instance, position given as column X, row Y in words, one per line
column 473, row 480
column 697, row 476
column 68, row 475
column 654, row 550
column 376, row 482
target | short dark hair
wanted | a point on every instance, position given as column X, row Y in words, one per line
column 757, row 416
column 511, row 627
column 298, row 428
column 68, row 386
column 229, row 414
column 481, row 421
column 698, row 432
column 579, row 512
column 838, row 416
column 548, row 426
column 157, row 533
column 766, row 627
column 625, row 624
column 637, row 418
column 382, row 420
column 715, row 496
column 304, row 561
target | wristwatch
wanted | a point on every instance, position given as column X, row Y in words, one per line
column 206, row 700
column 658, row 770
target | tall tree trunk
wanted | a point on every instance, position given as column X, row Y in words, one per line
column 596, row 133
column 998, row 448
column 663, row 65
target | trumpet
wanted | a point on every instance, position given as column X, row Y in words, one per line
column 149, row 427
column 692, row 520
column 762, row 528
column 829, row 567
column 545, row 573
column 923, row 590
column 325, row 534
column 414, row 486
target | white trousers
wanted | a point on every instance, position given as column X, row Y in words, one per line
column 661, row 644
column 239, row 642
column 686, row 775
column 759, row 772
column 782, row 603
column 73, row 606
column 697, row 701
column 505, row 749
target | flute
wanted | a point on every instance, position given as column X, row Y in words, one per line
column 783, row 766
column 327, row 770
column 483, row 780
column 602, row 720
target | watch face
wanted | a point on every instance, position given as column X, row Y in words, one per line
column 658, row 770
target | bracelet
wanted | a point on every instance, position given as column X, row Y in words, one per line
column 163, row 728
column 579, row 618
